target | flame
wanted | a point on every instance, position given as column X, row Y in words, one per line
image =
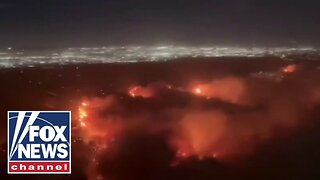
column 95, row 128
column 133, row 91
column 83, row 124
column 140, row 91
column 148, row 91
column 230, row 89
column 197, row 91
column 91, row 133
column 291, row 68
column 82, row 114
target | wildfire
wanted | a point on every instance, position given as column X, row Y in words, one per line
column 83, row 124
column 291, row 68
column 197, row 91
column 82, row 114
column 133, row 91
column 92, row 134
column 183, row 154
column 147, row 91
column 94, row 128
column 230, row 89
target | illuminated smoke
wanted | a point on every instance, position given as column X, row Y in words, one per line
column 201, row 130
column 291, row 68
column 235, row 115
column 93, row 126
column 82, row 114
column 198, row 91
column 150, row 90
column 230, row 89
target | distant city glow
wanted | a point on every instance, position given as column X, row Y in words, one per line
column 129, row 54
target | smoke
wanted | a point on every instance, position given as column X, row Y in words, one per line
column 220, row 119
column 230, row 89
column 193, row 125
column 201, row 131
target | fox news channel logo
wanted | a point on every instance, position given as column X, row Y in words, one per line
column 39, row 142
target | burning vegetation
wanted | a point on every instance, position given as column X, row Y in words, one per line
column 219, row 119
column 193, row 121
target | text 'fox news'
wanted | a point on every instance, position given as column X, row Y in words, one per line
column 39, row 142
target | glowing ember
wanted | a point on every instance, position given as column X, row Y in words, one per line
column 197, row 91
column 133, row 91
column 141, row 91
column 83, row 124
column 230, row 89
column 291, row 68
column 95, row 130
column 82, row 113
column 182, row 154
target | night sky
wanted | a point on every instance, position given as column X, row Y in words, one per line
column 65, row 23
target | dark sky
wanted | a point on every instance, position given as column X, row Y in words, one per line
column 57, row 23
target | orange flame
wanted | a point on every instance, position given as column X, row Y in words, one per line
column 291, row 68
column 197, row 91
